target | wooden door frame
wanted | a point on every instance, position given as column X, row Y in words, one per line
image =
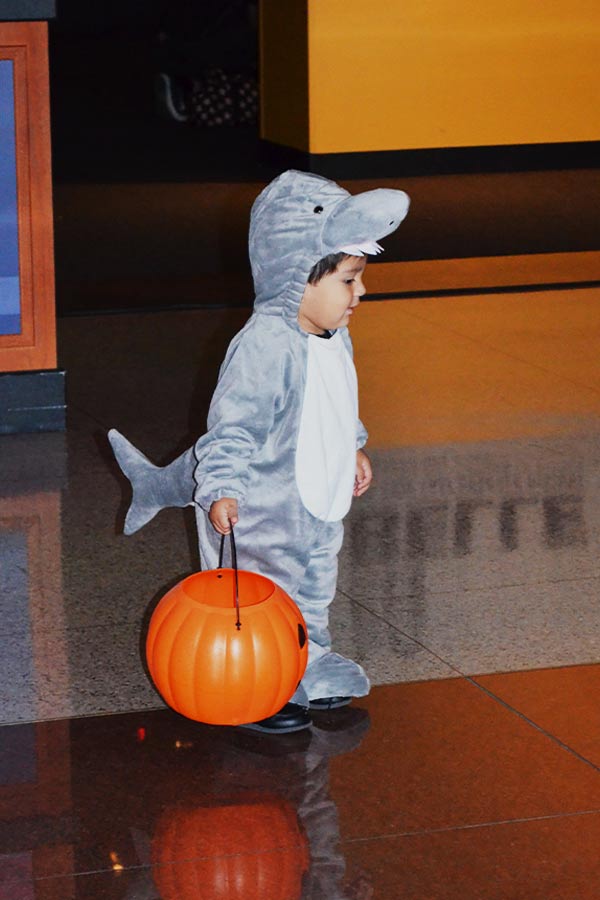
column 34, row 348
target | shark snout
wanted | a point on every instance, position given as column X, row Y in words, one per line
column 369, row 216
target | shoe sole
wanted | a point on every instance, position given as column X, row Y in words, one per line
column 321, row 707
column 290, row 729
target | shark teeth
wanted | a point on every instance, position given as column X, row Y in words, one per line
column 372, row 248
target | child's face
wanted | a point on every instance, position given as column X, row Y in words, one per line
column 329, row 304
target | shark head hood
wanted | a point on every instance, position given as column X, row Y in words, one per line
column 298, row 219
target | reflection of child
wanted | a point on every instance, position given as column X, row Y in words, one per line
column 282, row 456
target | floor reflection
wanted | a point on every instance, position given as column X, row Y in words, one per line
column 478, row 551
column 469, row 583
column 170, row 809
column 32, row 611
column 38, row 822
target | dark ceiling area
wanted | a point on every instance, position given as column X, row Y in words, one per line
column 110, row 65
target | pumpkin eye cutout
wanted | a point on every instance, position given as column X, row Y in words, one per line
column 318, row 209
column 301, row 636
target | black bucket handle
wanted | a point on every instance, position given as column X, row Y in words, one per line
column 234, row 566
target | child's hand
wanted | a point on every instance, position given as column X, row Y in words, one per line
column 223, row 514
column 364, row 473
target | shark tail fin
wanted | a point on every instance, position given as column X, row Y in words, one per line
column 142, row 474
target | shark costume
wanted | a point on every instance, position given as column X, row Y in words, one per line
column 283, row 426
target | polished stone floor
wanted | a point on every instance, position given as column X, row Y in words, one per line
column 468, row 588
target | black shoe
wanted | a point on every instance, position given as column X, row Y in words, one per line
column 329, row 702
column 292, row 717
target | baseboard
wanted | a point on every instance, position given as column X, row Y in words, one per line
column 32, row 401
column 435, row 161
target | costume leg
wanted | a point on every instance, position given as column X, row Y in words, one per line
column 309, row 576
column 316, row 590
column 327, row 674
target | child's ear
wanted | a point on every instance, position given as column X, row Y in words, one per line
column 308, row 289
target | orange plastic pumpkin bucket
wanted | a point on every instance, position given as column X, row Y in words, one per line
column 226, row 646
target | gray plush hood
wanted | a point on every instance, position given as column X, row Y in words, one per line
column 297, row 220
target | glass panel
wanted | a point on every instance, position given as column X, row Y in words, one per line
column 10, row 295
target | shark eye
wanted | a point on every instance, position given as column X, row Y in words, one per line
column 392, row 222
column 318, row 209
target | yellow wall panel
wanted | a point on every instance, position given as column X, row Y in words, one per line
column 416, row 74
column 429, row 73
column 388, row 76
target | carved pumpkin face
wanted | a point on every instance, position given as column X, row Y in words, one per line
column 210, row 671
column 242, row 851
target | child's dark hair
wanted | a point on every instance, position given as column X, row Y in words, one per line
column 325, row 266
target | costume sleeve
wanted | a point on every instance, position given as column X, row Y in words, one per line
column 362, row 435
column 361, row 431
column 249, row 392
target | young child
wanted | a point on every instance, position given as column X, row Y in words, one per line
column 282, row 455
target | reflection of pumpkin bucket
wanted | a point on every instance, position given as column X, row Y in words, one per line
column 247, row 851
column 226, row 646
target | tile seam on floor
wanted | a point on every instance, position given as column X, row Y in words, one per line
column 525, row 718
column 503, row 585
column 140, row 867
column 402, row 632
column 472, row 680
column 74, row 407
column 484, row 344
column 102, row 714
column 420, row 832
